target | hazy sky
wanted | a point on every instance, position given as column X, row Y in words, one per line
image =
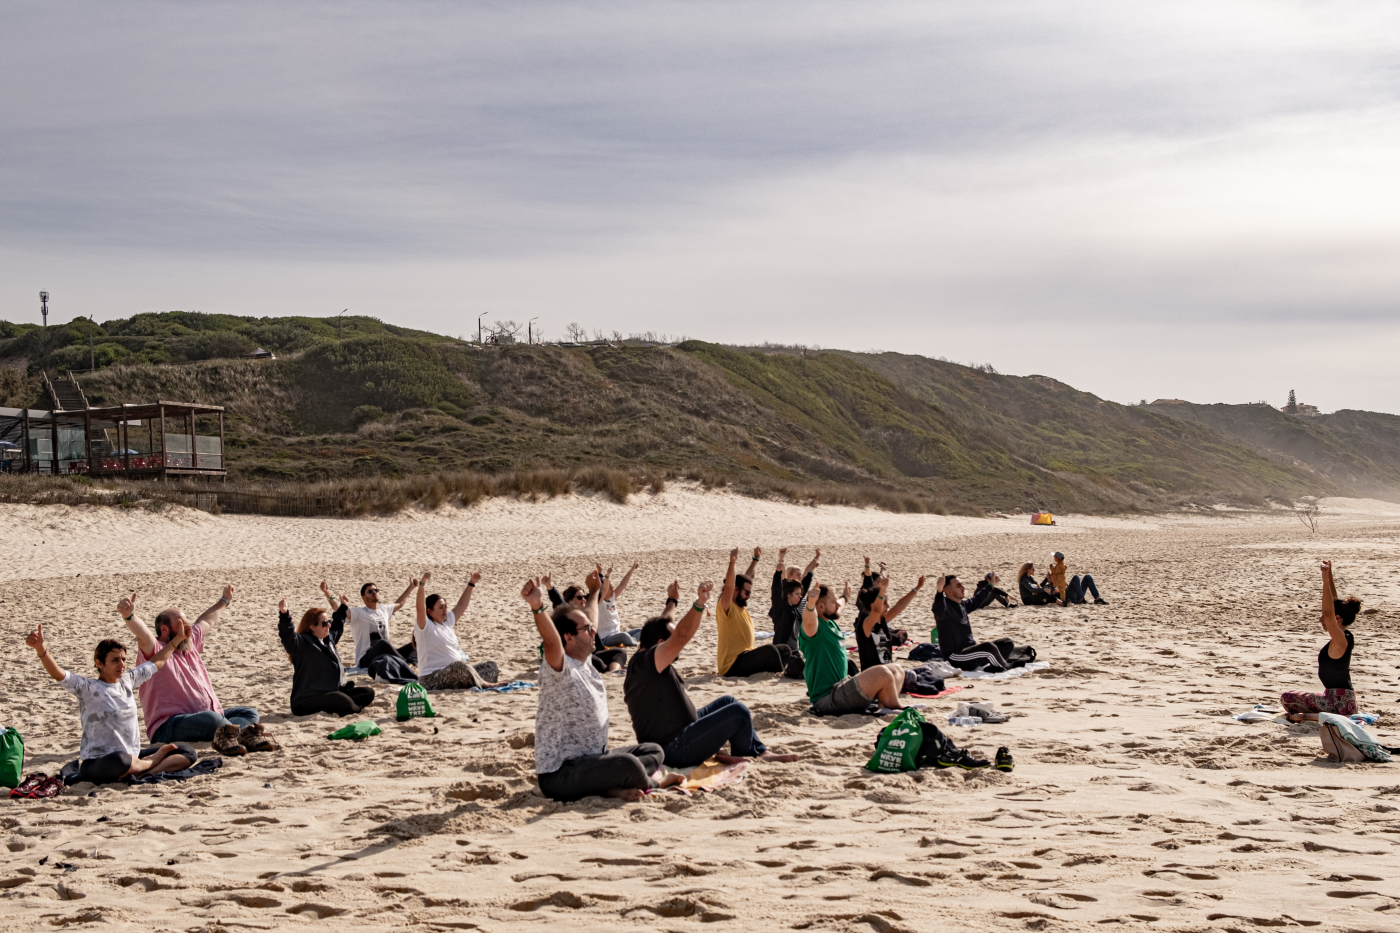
column 1188, row 199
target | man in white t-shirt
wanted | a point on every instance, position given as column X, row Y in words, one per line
column 571, row 719
column 372, row 617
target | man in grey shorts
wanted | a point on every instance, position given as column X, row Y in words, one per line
column 824, row 655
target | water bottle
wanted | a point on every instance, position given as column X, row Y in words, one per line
column 964, row 720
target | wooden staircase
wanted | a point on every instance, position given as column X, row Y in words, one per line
column 65, row 393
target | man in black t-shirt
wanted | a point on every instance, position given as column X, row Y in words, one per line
column 661, row 708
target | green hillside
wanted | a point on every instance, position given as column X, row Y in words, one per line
column 906, row 431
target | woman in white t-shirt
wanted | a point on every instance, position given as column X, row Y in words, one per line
column 610, row 631
column 111, row 746
column 442, row 664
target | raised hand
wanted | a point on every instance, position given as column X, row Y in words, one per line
column 532, row 593
column 326, row 588
column 674, row 590
column 424, row 577
column 757, row 553
column 475, row 579
column 282, row 606
column 127, row 607
column 548, row 581
column 635, row 565
column 782, row 552
column 920, row 584
column 702, row 592
column 344, row 600
column 183, row 634
column 594, row 580
column 35, row 639
column 733, row 555
column 228, row 594
column 846, row 593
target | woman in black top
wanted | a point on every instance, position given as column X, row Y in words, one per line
column 1032, row 593
column 874, row 640
column 1333, row 661
column 318, row 679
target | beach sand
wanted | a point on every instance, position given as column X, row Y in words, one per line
column 1174, row 817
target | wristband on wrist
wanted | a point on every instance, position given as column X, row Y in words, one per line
column 537, row 611
column 471, row 584
column 698, row 607
column 670, row 600
column 128, row 618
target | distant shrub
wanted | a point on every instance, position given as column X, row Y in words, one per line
column 363, row 414
column 392, row 373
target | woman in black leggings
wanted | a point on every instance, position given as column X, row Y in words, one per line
column 318, row 678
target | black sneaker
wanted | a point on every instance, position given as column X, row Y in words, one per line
column 1100, row 602
column 961, row 759
column 1004, row 762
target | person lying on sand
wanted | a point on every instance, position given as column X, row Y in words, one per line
column 1032, row 593
column 736, row 654
column 111, row 745
column 1074, row 591
column 318, row 677
column 571, row 718
column 831, row 690
column 661, row 710
column 372, row 617
column 955, row 638
column 789, row 584
column 874, row 640
column 179, row 703
column 605, row 659
column 442, row 664
column 610, row 633
column 1333, row 659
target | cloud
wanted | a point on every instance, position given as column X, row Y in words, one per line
column 898, row 175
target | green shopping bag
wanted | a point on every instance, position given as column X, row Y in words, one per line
column 356, row 731
column 11, row 757
column 897, row 749
column 413, row 701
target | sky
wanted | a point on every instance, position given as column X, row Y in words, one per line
column 1195, row 200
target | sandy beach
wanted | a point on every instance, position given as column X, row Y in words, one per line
column 1176, row 817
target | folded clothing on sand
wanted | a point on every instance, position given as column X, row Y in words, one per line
column 511, row 687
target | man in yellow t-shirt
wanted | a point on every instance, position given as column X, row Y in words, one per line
column 737, row 655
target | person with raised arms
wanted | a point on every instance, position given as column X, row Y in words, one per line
column 874, row 640
column 789, row 584
column 610, row 633
column 572, row 759
column 660, row 706
column 606, row 660
column 111, row 749
column 371, row 618
column 829, row 688
column 179, row 702
column 442, row 664
column 737, row 654
column 318, row 675
column 1333, row 659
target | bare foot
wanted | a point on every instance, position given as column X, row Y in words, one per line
column 778, row 756
column 668, row 778
column 629, row 794
column 766, row 756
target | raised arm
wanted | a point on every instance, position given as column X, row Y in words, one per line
column 533, row 594
column 326, row 591
column 422, row 605
column 35, row 640
column 211, row 615
column 594, row 582
column 1338, row 646
column 338, row 623
column 626, row 579
column 809, row 610
column 673, row 599
column 813, row 564
column 145, row 641
column 904, row 602
column 753, row 563
column 285, row 632
column 670, row 649
column 782, row 561
column 466, row 599
column 726, row 595
column 181, row 633
column 877, row 605
column 403, row 597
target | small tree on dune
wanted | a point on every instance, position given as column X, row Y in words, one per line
column 1292, row 406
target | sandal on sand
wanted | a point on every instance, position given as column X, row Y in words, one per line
column 255, row 739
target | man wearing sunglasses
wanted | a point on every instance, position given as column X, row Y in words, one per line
column 372, row 617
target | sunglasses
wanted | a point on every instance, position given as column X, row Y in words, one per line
column 325, row 622
column 372, row 589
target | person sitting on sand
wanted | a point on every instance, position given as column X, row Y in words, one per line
column 994, row 593
column 571, row 718
column 955, row 639
column 178, row 702
column 830, row 688
column 318, row 676
column 610, row 633
column 789, row 584
column 661, row 709
column 442, row 664
column 606, row 660
column 875, row 642
column 737, row 655
column 370, row 618
column 111, row 745
column 1333, row 659
column 1072, row 592
column 1032, row 593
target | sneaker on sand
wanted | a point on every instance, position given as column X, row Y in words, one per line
column 1004, row 762
column 1100, row 602
column 961, row 759
column 226, row 741
column 256, row 739
column 987, row 713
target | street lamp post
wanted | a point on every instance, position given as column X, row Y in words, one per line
column 44, row 306
column 530, row 330
column 478, row 326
